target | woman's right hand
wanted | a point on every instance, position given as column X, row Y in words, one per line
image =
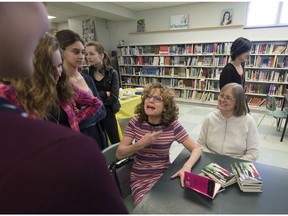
column 149, row 138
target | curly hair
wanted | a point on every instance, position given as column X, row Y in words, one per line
column 171, row 110
column 41, row 93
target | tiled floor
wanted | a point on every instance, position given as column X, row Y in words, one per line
column 272, row 151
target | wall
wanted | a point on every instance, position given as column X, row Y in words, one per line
column 200, row 15
column 75, row 24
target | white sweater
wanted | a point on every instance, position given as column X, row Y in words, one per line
column 236, row 137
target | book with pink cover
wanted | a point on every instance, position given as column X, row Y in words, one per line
column 201, row 184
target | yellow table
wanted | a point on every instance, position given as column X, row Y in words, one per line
column 128, row 104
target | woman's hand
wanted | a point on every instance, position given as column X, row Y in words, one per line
column 149, row 138
column 180, row 174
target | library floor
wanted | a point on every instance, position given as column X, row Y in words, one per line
column 272, row 151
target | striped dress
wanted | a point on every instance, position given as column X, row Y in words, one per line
column 152, row 161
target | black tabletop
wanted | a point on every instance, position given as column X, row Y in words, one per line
column 167, row 196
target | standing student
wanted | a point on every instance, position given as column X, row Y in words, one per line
column 73, row 59
column 107, row 83
column 149, row 136
column 48, row 94
column 234, row 70
column 229, row 130
column 45, row 168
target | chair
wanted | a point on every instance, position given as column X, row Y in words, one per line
column 279, row 115
column 110, row 156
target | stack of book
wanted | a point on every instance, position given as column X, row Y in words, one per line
column 219, row 174
column 248, row 178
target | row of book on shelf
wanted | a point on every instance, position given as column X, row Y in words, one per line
column 217, row 61
column 213, row 178
column 269, row 76
column 266, row 88
column 198, row 92
column 267, row 61
column 269, row 48
column 203, row 48
column 250, row 75
column 186, row 84
column 177, row 49
column 172, row 72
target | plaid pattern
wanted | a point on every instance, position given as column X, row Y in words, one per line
column 90, row 103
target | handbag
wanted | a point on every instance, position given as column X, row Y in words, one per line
column 121, row 171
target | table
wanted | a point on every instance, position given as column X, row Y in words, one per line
column 128, row 104
column 286, row 110
column 168, row 197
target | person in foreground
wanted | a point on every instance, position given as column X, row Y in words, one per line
column 149, row 136
column 230, row 130
column 45, row 168
column 48, row 93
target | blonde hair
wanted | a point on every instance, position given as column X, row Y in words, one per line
column 41, row 93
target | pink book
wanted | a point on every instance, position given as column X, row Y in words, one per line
column 201, row 184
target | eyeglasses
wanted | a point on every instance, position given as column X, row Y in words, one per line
column 226, row 98
column 156, row 98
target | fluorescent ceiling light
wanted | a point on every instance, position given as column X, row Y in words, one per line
column 51, row 17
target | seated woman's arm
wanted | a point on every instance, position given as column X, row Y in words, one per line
column 126, row 148
column 194, row 156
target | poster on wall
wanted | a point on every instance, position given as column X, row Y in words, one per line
column 179, row 21
column 226, row 17
column 141, row 25
column 89, row 32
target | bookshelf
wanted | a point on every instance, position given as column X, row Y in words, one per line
column 192, row 70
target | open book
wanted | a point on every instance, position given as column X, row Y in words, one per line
column 201, row 184
column 219, row 174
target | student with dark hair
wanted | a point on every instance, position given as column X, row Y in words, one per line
column 234, row 70
column 73, row 49
column 229, row 130
column 107, row 83
column 45, row 168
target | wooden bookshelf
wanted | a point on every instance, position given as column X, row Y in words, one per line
column 192, row 70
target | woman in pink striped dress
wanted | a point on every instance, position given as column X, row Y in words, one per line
column 149, row 136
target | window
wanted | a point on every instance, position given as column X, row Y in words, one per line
column 267, row 14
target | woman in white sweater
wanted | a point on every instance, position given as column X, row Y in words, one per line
column 230, row 130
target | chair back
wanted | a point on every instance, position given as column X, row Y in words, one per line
column 109, row 153
column 270, row 103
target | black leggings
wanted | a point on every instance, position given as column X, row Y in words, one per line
column 109, row 124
